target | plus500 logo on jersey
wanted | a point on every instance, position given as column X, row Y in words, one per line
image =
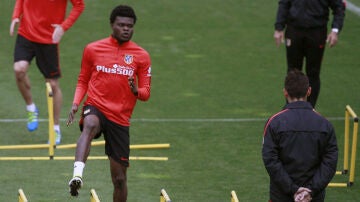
column 116, row 69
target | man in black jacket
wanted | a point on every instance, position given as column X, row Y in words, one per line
column 305, row 22
column 299, row 147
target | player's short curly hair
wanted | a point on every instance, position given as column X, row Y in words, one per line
column 296, row 84
column 122, row 11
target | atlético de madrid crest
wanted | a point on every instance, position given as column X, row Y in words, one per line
column 128, row 59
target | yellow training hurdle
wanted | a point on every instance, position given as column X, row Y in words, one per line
column 349, row 113
column 164, row 197
column 93, row 196
column 22, row 197
column 234, row 197
column 51, row 146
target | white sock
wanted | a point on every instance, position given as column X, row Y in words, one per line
column 57, row 127
column 31, row 107
column 78, row 168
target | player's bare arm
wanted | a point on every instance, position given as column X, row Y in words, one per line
column 74, row 109
column 14, row 22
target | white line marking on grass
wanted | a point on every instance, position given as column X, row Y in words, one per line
column 353, row 8
column 165, row 120
column 217, row 120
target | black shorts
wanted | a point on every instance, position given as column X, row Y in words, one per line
column 47, row 56
column 117, row 141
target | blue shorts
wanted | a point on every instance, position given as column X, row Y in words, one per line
column 117, row 141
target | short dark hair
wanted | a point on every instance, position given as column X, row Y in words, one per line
column 122, row 11
column 296, row 84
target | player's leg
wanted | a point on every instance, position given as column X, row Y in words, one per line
column 119, row 180
column 22, row 80
column 316, row 42
column 47, row 59
column 23, row 54
column 117, row 147
column 294, row 48
column 90, row 128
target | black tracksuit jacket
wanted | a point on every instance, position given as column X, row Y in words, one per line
column 299, row 150
column 309, row 13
